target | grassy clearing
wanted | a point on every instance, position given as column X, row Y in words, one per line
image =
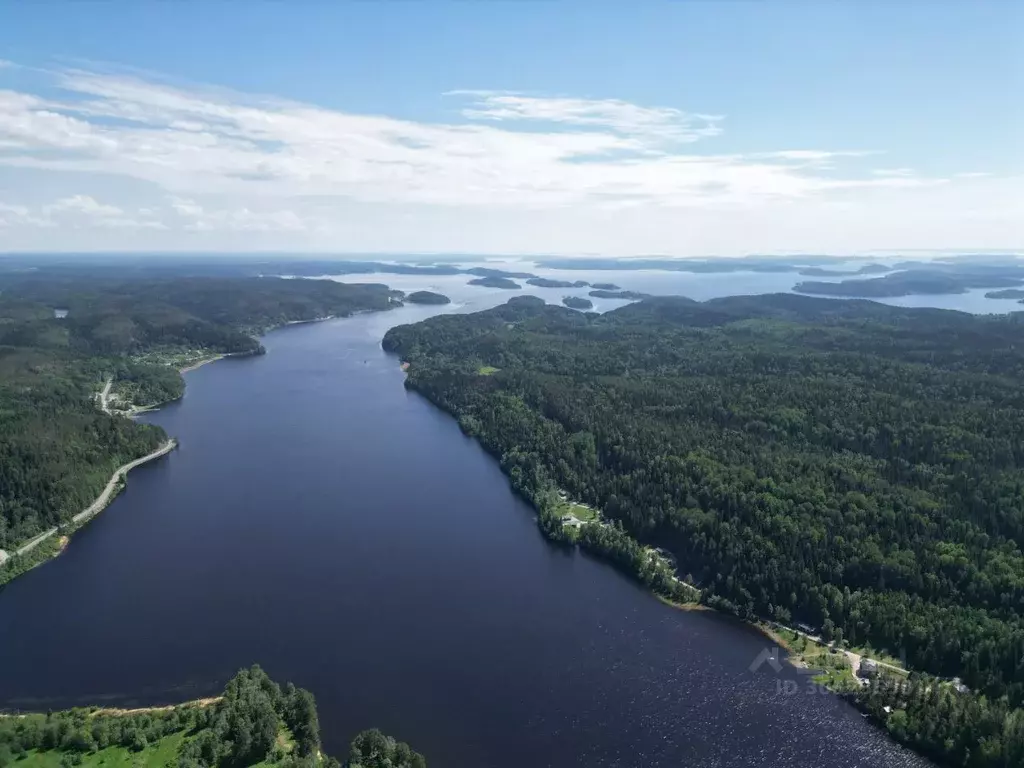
column 176, row 357
column 579, row 511
column 872, row 653
column 157, row 755
column 487, row 370
column 836, row 672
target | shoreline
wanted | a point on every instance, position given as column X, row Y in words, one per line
column 767, row 628
column 95, row 711
column 108, row 495
column 115, row 484
column 201, row 362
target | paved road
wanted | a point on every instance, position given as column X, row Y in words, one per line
column 105, row 396
column 104, row 498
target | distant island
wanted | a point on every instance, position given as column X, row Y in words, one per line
column 1006, row 293
column 607, row 294
column 488, row 272
column 546, row 282
column 427, row 297
column 496, row 282
column 911, row 282
column 606, row 286
column 867, row 269
column 716, row 265
column 576, row 302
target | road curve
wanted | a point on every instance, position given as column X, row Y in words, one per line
column 104, row 498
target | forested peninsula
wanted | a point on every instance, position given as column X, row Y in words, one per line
column 254, row 722
column 64, row 335
column 844, row 464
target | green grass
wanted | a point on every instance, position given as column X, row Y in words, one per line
column 584, row 513
column 177, row 357
column 871, row 653
column 834, row 667
column 19, row 564
column 487, row 370
column 157, row 755
column 835, row 671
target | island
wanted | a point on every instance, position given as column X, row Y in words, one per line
column 911, row 282
column 427, row 297
column 489, row 272
column 606, row 286
column 767, row 445
column 867, row 269
column 1006, row 293
column 546, row 282
column 254, row 722
column 576, row 302
column 610, row 294
column 496, row 282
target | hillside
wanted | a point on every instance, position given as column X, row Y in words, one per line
column 849, row 465
column 62, row 337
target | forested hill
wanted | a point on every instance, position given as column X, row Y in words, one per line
column 57, row 448
column 254, row 722
column 850, row 465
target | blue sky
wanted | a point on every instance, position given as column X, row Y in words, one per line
column 688, row 128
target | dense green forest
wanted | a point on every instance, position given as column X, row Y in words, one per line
column 254, row 722
column 850, row 465
column 605, row 293
column 495, row 281
column 547, row 282
column 427, row 297
column 575, row 302
column 57, row 448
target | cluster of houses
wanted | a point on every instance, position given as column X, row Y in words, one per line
column 868, row 670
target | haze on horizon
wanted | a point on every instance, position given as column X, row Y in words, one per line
column 541, row 129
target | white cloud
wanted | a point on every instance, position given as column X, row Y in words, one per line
column 78, row 212
column 218, row 163
column 199, row 141
column 85, row 205
column 196, row 218
column 645, row 123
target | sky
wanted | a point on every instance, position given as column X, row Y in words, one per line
column 523, row 127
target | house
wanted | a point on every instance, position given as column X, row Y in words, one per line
column 868, row 668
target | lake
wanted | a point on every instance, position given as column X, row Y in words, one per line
column 322, row 521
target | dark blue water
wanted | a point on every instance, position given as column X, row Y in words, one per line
column 323, row 522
